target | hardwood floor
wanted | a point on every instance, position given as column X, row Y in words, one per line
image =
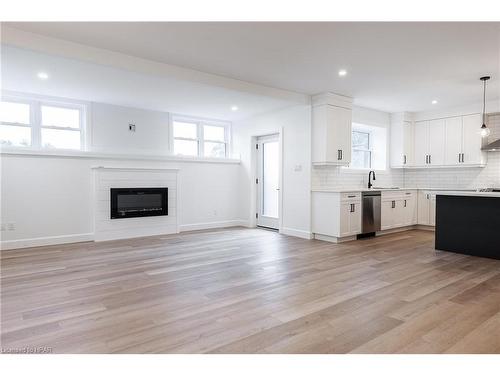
column 250, row 291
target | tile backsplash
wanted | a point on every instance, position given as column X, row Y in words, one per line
column 451, row 178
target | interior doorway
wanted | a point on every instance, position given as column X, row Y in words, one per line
column 268, row 181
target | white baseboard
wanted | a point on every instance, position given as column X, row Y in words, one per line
column 213, row 225
column 296, row 233
column 45, row 241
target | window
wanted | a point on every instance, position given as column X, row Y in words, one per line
column 361, row 153
column 199, row 138
column 369, row 147
column 41, row 124
column 15, row 124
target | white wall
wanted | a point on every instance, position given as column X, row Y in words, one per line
column 295, row 123
column 48, row 198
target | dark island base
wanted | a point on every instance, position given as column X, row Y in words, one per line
column 468, row 225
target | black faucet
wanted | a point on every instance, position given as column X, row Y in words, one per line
column 369, row 179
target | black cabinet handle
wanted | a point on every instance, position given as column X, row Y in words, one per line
column 393, row 204
column 430, row 159
column 404, row 159
column 405, row 202
column 351, row 196
column 339, row 155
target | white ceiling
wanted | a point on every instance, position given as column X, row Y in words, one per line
column 391, row 66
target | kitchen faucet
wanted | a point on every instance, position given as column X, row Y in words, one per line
column 369, row 179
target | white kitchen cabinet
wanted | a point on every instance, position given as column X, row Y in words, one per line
column 331, row 129
column 421, row 143
column 426, row 208
column 336, row 216
column 454, row 140
column 398, row 209
column 472, row 141
column 437, row 142
column 401, row 142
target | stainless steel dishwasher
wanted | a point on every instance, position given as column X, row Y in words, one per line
column 371, row 203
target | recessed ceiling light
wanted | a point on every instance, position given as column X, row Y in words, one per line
column 434, row 101
column 42, row 75
column 342, row 72
column 234, row 108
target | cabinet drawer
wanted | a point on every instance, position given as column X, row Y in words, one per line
column 355, row 196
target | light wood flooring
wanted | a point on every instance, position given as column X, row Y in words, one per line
column 250, row 291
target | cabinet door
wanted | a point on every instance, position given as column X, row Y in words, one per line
column 387, row 215
column 345, row 134
column 401, row 144
column 421, row 143
column 408, row 143
column 398, row 215
column 409, row 211
column 423, row 208
column 355, row 219
column 472, row 140
column 437, row 142
column 454, row 141
column 432, row 210
column 345, row 217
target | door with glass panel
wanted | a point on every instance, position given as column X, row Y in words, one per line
column 268, row 161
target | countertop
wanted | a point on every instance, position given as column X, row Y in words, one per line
column 360, row 190
column 470, row 193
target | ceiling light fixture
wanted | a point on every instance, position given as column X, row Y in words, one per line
column 434, row 101
column 484, row 129
column 42, row 75
column 342, row 72
column 234, row 108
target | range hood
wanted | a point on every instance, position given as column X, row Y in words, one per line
column 493, row 146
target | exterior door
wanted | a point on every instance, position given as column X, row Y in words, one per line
column 268, row 179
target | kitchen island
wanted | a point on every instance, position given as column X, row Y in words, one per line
column 468, row 223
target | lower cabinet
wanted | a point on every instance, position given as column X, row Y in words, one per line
column 426, row 208
column 336, row 215
column 398, row 209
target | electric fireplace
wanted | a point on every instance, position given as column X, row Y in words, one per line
column 138, row 202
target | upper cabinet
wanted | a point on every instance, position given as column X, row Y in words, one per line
column 331, row 129
column 452, row 141
column 401, row 140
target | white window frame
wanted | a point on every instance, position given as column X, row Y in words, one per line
column 369, row 149
column 36, row 103
column 200, row 123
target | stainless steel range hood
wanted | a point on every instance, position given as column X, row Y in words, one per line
column 493, row 146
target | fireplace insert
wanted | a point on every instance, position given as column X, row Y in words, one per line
column 138, row 202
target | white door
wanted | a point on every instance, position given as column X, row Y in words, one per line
column 268, row 179
column 454, row 140
column 421, row 149
column 437, row 142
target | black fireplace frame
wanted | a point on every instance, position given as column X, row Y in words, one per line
column 115, row 192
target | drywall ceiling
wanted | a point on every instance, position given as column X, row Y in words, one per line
column 82, row 80
column 391, row 66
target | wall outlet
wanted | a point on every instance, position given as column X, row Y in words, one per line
column 131, row 127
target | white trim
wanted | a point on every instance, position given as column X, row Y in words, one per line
column 297, row 233
column 213, row 225
column 46, row 241
column 16, row 151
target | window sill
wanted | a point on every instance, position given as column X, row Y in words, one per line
column 4, row 151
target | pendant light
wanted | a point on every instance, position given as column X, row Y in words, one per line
column 484, row 129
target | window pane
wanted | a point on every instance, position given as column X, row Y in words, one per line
column 215, row 150
column 15, row 135
column 213, row 133
column 185, row 130
column 183, row 147
column 57, row 116
column 55, row 138
column 15, row 112
column 361, row 159
column 361, row 140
